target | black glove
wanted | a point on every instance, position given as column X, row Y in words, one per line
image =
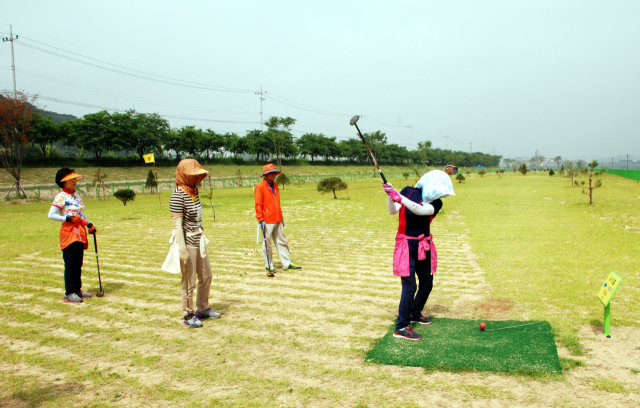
column 92, row 229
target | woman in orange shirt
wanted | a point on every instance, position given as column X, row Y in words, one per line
column 68, row 208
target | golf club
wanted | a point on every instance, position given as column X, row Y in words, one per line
column 353, row 122
column 266, row 251
column 511, row 327
column 95, row 244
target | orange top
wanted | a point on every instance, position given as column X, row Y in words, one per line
column 268, row 203
column 69, row 203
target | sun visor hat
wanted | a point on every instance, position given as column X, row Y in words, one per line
column 71, row 177
column 269, row 168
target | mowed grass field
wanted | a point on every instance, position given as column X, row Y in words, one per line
column 510, row 248
column 46, row 175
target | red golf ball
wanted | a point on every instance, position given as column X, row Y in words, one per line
column 482, row 326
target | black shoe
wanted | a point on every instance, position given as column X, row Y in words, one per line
column 407, row 333
column 421, row 320
column 293, row 267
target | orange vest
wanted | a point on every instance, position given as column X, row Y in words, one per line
column 70, row 233
column 267, row 203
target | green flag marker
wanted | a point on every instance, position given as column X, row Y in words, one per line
column 605, row 294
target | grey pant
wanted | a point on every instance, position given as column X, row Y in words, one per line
column 275, row 233
column 196, row 265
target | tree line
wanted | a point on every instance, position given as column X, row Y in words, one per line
column 94, row 135
column 97, row 133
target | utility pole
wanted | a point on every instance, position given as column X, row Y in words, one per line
column 446, row 136
column 482, row 149
column 470, row 147
column 409, row 133
column 13, row 59
column 261, row 99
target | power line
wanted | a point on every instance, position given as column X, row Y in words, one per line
column 89, row 105
column 142, row 72
column 119, row 95
column 322, row 111
column 172, row 81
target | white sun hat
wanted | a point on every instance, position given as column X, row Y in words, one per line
column 435, row 184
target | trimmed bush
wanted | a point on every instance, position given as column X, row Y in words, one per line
column 125, row 195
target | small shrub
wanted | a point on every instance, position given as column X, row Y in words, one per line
column 523, row 169
column 460, row 178
column 405, row 175
column 551, row 172
column 332, row 184
column 151, row 180
column 482, row 173
column 125, row 195
column 282, row 179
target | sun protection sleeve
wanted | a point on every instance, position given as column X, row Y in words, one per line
column 418, row 209
column 55, row 215
column 392, row 206
column 177, row 225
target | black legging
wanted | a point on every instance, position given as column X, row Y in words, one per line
column 72, row 256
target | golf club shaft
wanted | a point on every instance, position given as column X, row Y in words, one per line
column 266, row 248
column 95, row 244
column 371, row 154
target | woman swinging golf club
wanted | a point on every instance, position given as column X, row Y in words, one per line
column 68, row 208
column 417, row 206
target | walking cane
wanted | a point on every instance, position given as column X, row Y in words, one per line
column 266, row 251
column 95, row 244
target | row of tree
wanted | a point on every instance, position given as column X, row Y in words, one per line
column 98, row 133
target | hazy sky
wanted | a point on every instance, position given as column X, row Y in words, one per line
column 561, row 77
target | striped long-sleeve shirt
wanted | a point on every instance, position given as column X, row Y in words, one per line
column 181, row 203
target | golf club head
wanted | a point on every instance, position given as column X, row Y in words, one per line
column 354, row 120
column 99, row 294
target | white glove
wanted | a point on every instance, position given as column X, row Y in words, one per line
column 182, row 246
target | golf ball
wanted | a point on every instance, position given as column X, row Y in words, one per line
column 482, row 326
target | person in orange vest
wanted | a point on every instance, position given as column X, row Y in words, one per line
column 68, row 209
column 269, row 215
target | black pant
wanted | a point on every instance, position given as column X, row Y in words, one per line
column 411, row 304
column 72, row 256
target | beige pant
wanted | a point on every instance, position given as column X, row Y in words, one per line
column 196, row 265
column 275, row 232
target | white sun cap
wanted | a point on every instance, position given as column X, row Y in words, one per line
column 435, row 184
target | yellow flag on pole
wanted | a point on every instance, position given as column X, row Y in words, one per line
column 148, row 158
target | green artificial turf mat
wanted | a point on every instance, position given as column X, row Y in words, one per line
column 460, row 345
